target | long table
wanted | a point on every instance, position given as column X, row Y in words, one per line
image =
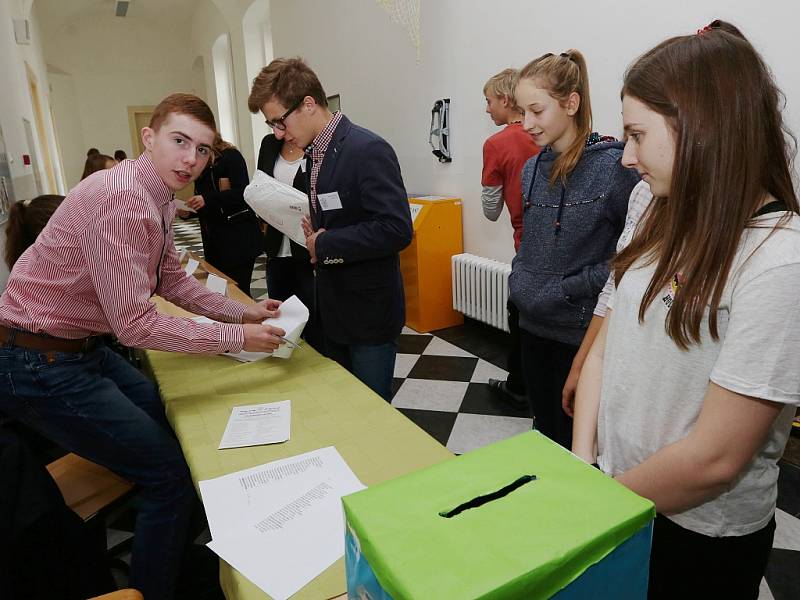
column 330, row 407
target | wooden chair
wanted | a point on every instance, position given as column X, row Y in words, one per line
column 92, row 492
column 128, row 594
column 88, row 488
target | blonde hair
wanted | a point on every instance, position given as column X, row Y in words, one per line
column 561, row 75
column 502, row 84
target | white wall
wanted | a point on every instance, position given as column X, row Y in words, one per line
column 359, row 53
column 109, row 64
column 15, row 101
column 15, row 105
column 258, row 53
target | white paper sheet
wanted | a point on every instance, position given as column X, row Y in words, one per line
column 281, row 524
column 280, row 205
column 181, row 205
column 217, row 284
column 191, row 266
column 257, row 424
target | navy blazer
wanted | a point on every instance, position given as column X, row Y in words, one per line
column 359, row 287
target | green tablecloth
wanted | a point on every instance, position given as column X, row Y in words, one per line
column 329, row 407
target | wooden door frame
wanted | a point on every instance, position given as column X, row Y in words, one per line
column 134, row 130
column 38, row 120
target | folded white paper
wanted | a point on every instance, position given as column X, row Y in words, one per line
column 191, row 266
column 217, row 284
column 280, row 205
column 257, row 424
column 292, row 319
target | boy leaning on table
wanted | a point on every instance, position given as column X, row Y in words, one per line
column 93, row 270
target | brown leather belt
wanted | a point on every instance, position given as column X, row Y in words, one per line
column 43, row 343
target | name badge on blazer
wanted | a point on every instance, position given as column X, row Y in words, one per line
column 329, row 201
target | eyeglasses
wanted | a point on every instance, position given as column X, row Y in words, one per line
column 278, row 123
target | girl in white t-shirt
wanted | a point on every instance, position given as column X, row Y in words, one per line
column 688, row 392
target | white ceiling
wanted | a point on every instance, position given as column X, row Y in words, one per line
column 54, row 14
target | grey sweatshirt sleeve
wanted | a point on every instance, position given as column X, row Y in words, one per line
column 492, row 200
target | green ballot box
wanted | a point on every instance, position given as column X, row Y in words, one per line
column 522, row 518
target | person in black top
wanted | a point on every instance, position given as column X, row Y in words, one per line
column 288, row 273
column 231, row 235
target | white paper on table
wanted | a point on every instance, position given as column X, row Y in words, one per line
column 292, row 319
column 217, row 284
column 181, row 205
column 281, row 524
column 191, row 266
column 280, row 205
column 257, row 424
column 181, row 252
column 244, row 355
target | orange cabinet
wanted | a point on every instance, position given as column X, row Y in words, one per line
column 425, row 264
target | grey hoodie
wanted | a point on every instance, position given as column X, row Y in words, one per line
column 569, row 235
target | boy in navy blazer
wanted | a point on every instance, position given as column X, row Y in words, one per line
column 359, row 220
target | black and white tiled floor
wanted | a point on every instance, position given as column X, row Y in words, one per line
column 443, row 389
column 440, row 384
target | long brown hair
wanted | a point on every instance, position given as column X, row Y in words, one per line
column 96, row 162
column 731, row 149
column 25, row 221
column 561, row 75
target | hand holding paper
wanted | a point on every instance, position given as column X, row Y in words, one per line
column 181, row 205
column 262, row 338
column 257, row 313
column 196, row 203
column 277, row 336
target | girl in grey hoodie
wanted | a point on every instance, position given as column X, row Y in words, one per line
column 575, row 196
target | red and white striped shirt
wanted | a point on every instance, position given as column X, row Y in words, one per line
column 106, row 250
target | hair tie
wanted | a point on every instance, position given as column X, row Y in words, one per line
column 703, row 30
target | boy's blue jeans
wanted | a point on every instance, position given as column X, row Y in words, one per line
column 100, row 407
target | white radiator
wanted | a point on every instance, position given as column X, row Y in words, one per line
column 480, row 288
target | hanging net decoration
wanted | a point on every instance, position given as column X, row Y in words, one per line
column 406, row 14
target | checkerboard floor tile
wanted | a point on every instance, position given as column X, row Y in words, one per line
column 440, row 383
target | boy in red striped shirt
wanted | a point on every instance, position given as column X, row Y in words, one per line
column 104, row 253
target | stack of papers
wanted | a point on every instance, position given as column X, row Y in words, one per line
column 281, row 524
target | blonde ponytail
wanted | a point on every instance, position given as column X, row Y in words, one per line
column 561, row 75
